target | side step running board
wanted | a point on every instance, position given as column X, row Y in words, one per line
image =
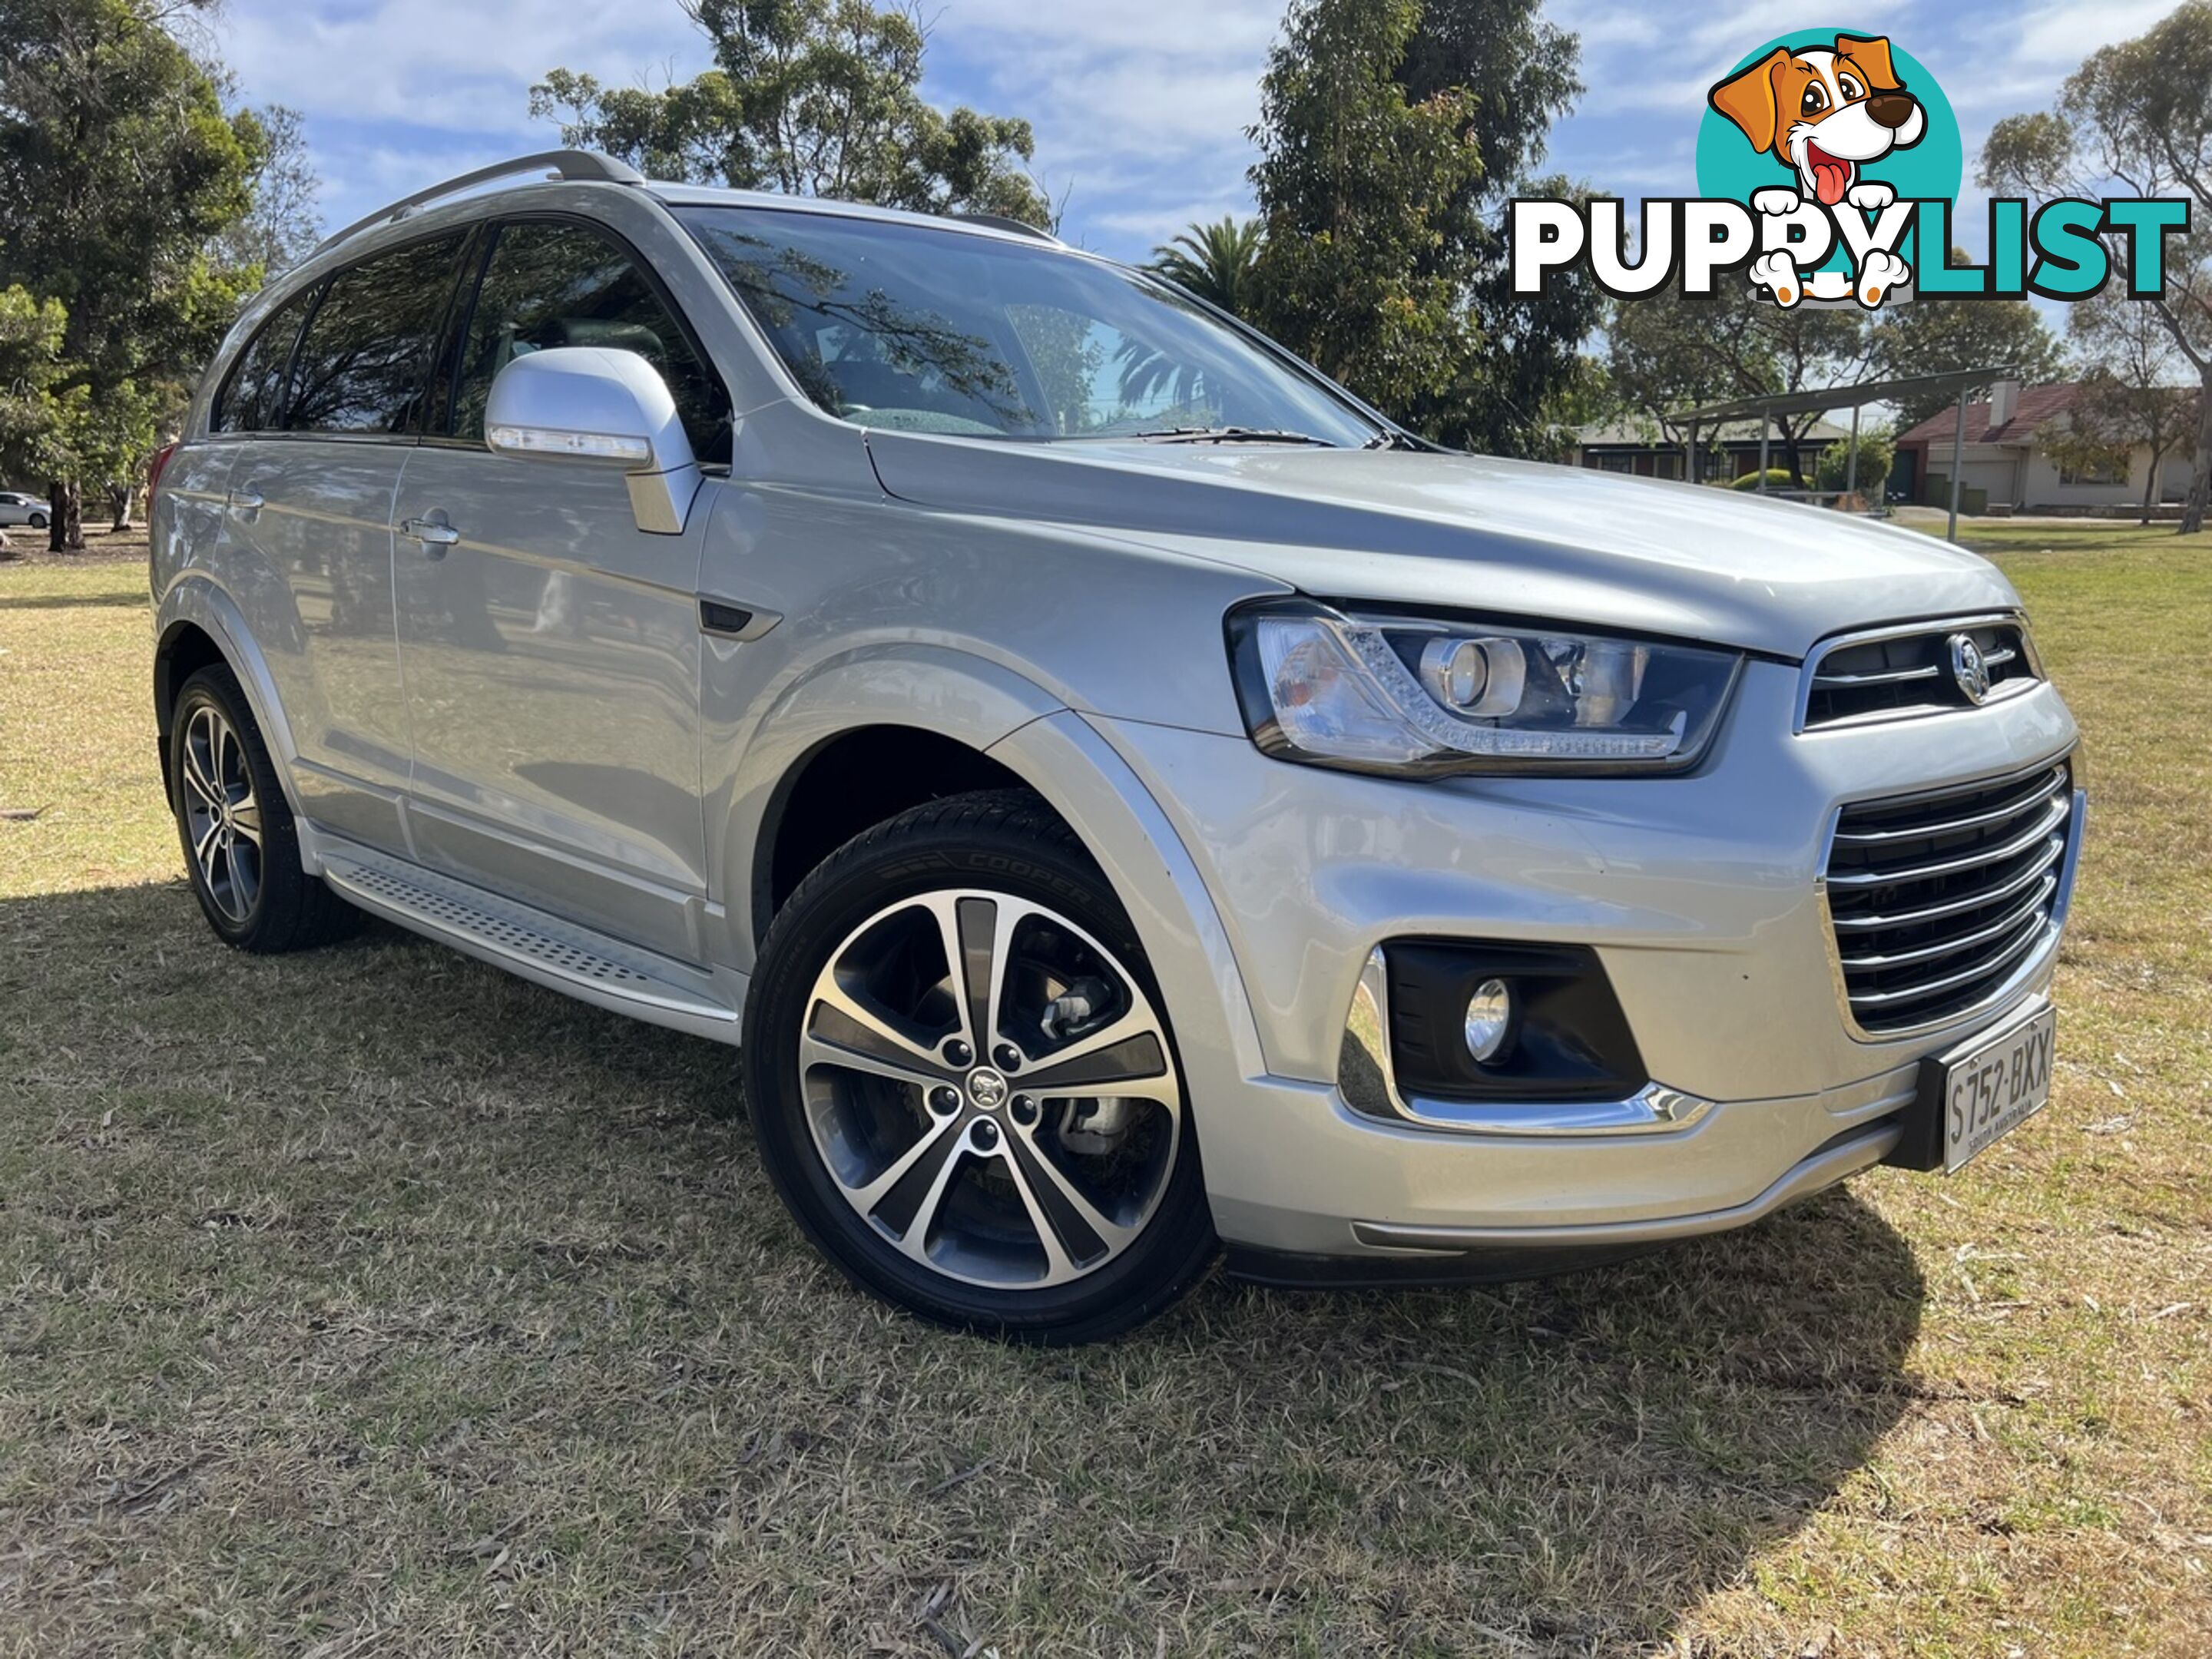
column 527, row 941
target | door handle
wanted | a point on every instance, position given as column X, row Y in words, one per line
column 244, row 501
column 436, row 535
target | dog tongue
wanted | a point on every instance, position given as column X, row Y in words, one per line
column 1831, row 178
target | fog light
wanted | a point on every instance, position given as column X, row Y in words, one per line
column 1488, row 1020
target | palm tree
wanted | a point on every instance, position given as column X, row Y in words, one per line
column 1216, row 262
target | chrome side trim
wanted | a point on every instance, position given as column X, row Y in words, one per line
column 1368, row 1084
column 1841, row 1159
column 1812, row 678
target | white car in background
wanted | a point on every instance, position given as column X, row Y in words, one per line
column 17, row 508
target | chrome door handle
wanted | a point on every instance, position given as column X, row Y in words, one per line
column 244, row 501
column 434, row 534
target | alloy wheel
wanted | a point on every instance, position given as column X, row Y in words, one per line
column 990, row 1089
column 222, row 818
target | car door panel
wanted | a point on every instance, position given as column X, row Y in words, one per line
column 310, row 569
column 550, row 647
column 551, row 656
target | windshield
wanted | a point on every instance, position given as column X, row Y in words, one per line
column 919, row 330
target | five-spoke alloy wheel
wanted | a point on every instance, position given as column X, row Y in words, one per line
column 241, row 844
column 963, row 1082
column 221, row 819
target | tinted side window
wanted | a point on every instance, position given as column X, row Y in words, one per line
column 365, row 362
column 253, row 399
column 550, row 285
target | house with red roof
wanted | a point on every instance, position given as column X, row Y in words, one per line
column 2008, row 456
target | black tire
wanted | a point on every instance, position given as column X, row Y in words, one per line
column 1004, row 842
column 39, row 521
column 286, row 909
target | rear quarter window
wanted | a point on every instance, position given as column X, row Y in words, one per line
column 252, row 397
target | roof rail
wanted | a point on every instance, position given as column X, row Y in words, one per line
column 569, row 164
column 1001, row 221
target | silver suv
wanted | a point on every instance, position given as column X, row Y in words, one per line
column 1132, row 799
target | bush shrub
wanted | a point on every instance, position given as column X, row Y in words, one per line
column 1877, row 454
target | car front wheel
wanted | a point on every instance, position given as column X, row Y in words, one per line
column 965, row 1085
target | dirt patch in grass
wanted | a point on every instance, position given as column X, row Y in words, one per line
column 29, row 546
column 375, row 1302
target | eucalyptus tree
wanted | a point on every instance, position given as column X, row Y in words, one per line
column 123, row 170
column 809, row 97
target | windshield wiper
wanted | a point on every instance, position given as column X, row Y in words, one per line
column 1226, row 434
column 1389, row 440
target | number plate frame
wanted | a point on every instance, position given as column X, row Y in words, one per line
column 1993, row 1084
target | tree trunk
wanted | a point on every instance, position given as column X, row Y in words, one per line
column 2200, row 485
column 64, row 516
column 120, row 498
column 2150, row 486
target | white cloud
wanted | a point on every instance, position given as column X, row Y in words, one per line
column 1160, row 28
column 463, row 68
column 2060, row 33
column 1154, row 225
column 1139, row 105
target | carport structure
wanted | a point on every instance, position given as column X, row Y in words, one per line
column 1960, row 383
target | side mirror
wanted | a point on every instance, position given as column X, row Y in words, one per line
column 601, row 407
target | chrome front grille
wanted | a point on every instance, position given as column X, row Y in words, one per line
column 1937, row 900
column 1901, row 673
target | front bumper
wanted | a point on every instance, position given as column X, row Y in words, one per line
column 1701, row 896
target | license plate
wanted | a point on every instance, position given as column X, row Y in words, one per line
column 1993, row 1087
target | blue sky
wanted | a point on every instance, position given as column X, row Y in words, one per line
column 1140, row 105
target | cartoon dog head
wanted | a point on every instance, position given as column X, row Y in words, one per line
column 1826, row 112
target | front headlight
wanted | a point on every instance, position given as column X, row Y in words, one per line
column 1409, row 695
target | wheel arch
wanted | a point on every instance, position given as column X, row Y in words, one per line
column 199, row 627
column 844, row 784
column 782, row 749
column 1011, row 731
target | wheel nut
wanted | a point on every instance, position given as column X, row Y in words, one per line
column 959, row 1054
column 1025, row 1111
column 944, row 1102
column 1007, row 1057
column 986, row 1134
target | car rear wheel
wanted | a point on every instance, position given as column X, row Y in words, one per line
column 39, row 521
column 241, row 844
column 963, row 1082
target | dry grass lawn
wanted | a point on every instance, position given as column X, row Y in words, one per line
column 373, row 1303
